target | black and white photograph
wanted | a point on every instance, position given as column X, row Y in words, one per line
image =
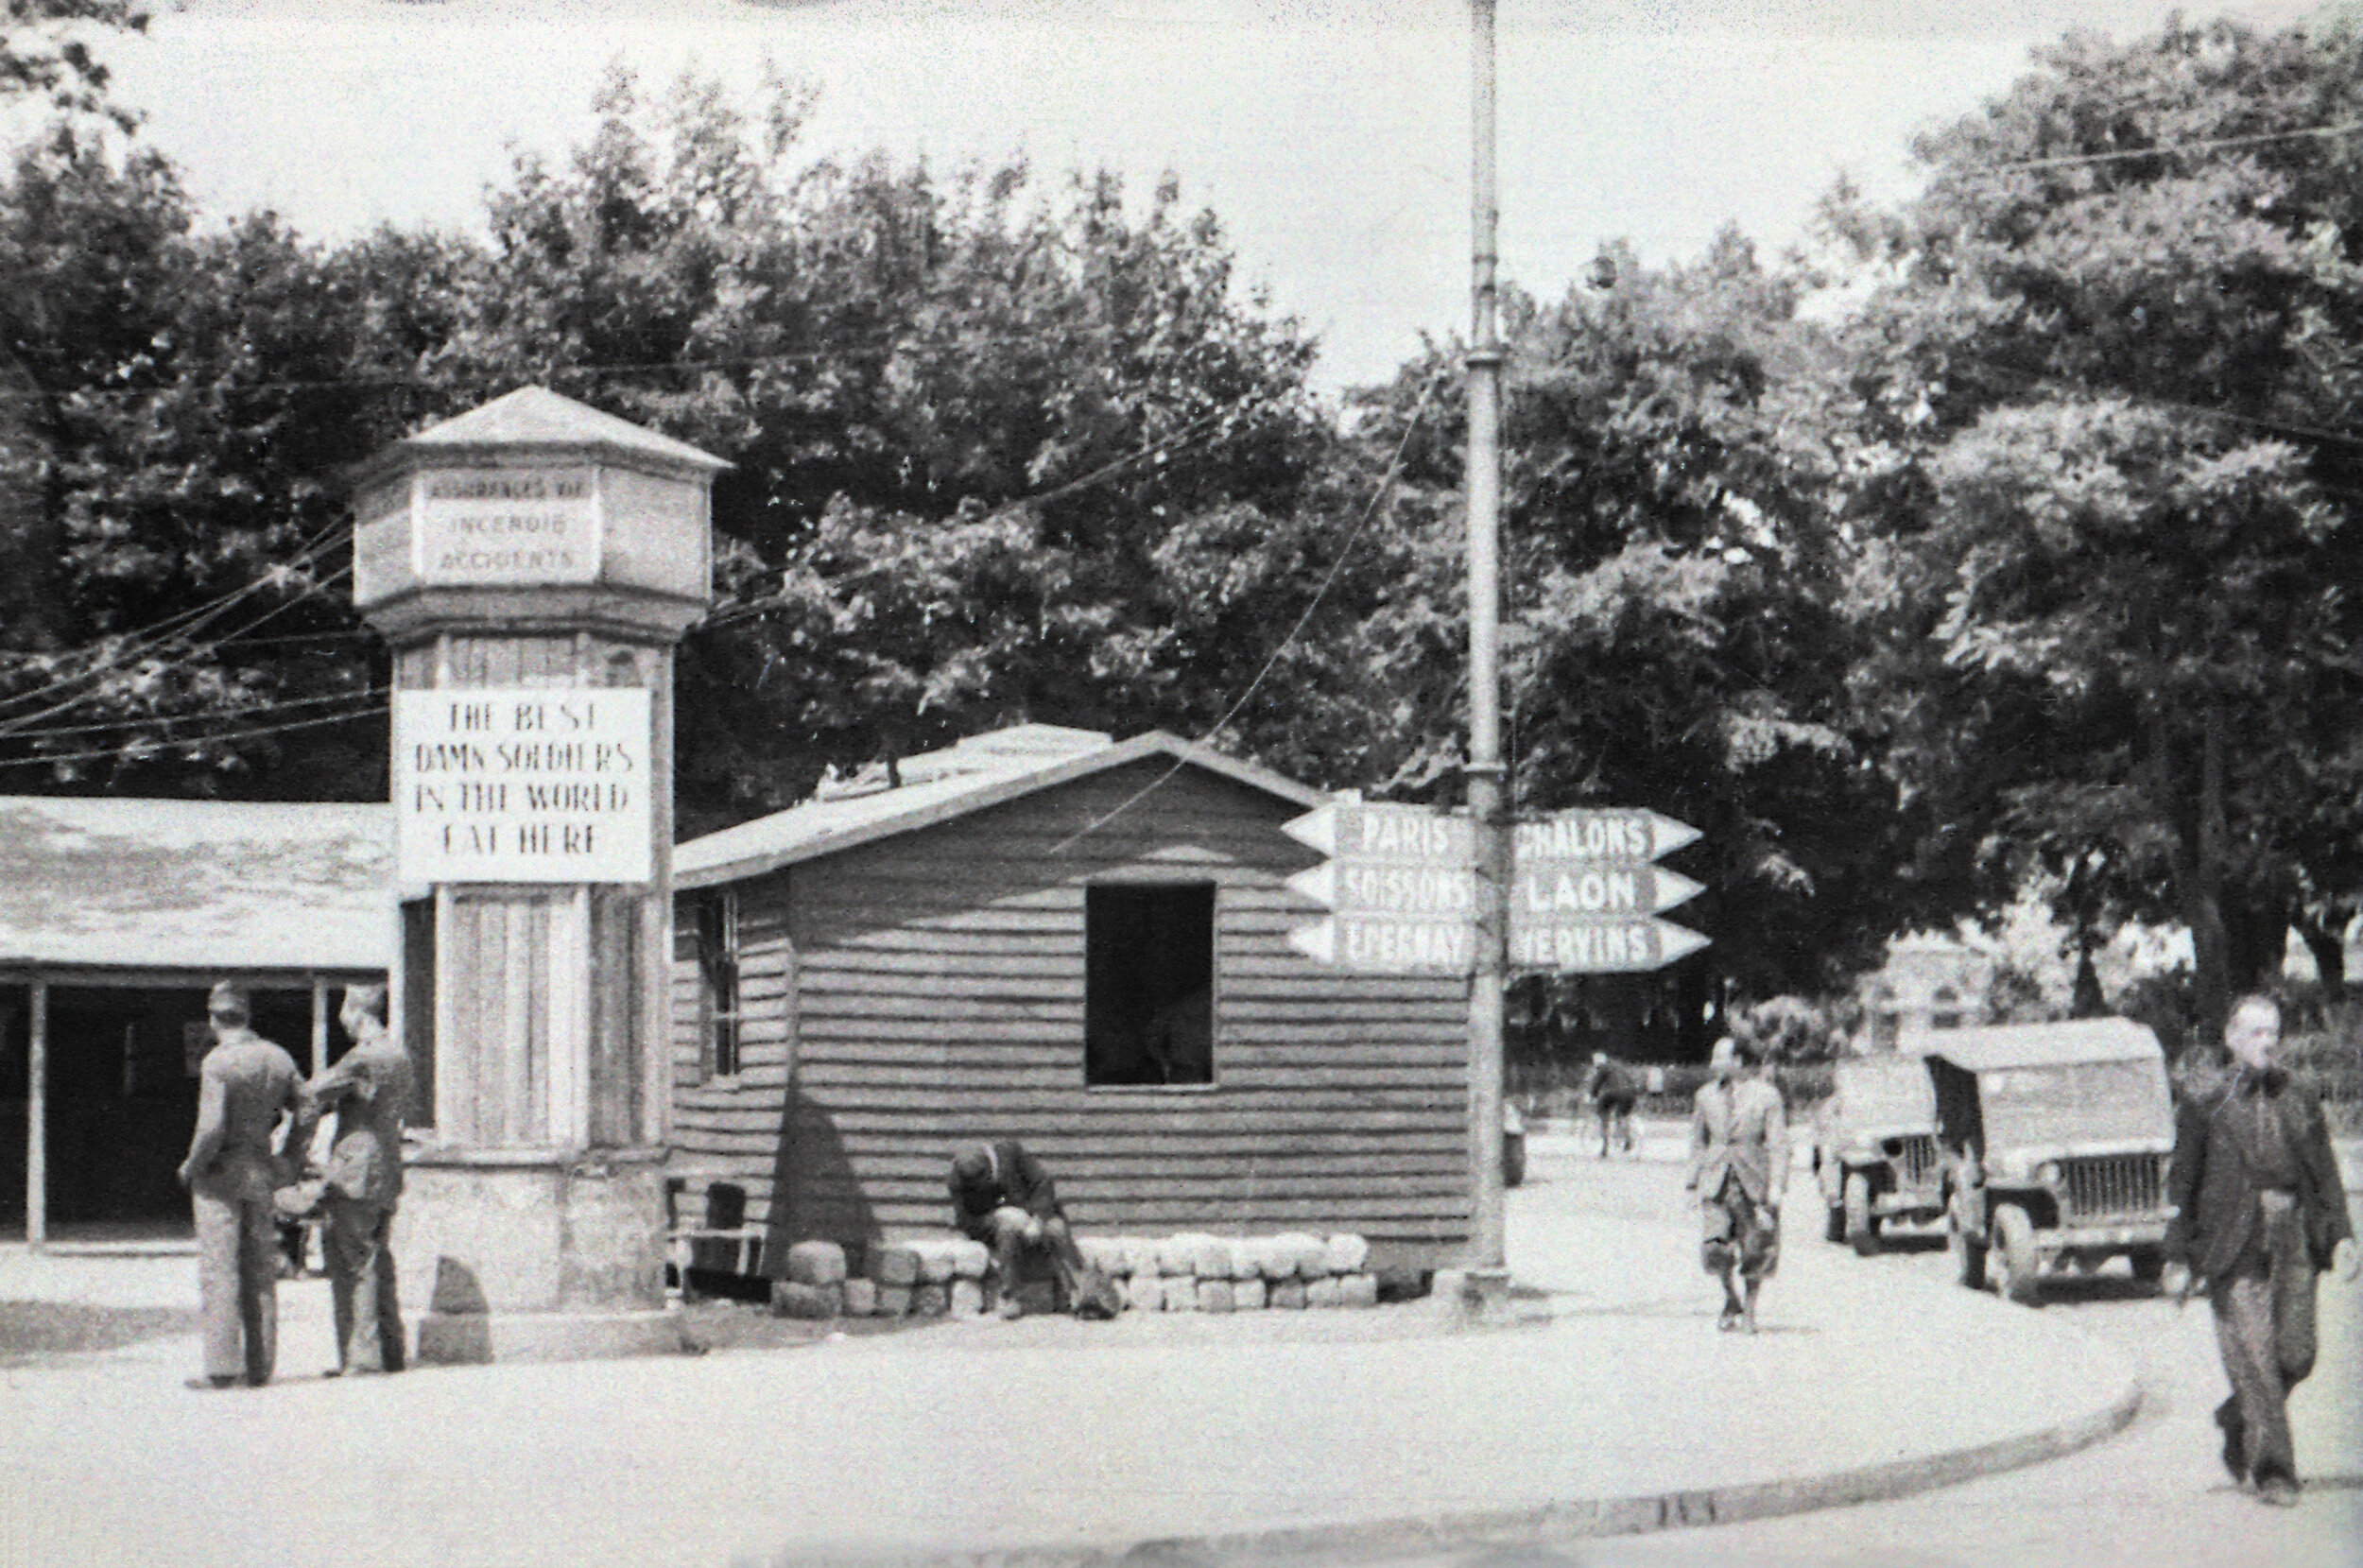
column 1197, row 784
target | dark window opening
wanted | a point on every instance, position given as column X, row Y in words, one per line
column 1149, row 988
column 717, row 976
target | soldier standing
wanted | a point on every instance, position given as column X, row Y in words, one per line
column 1739, row 1164
column 370, row 1091
column 243, row 1086
column 2260, row 1211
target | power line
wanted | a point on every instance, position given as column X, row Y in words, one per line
column 2162, row 150
column 278, row 705
column 750, row 609
column 2278, row 427
column 181, row 660
column 909, row 342
column 191, row 741
column 182, row 622
column 1385, row 487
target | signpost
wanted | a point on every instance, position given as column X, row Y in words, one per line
column 1405, row 895
column 1403, row 883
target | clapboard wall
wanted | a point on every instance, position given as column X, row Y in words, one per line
column 926, row 988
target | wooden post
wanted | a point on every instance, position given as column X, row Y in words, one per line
column 1484, row 770
column 319, row 1025
column 37, row 1116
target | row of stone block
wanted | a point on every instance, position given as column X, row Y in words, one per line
column 1291, row 1255
column 1188, row 1293
column 941, row 1260
column 965, row 1297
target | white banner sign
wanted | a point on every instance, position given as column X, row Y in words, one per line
column 505, row 527
column 524, row 785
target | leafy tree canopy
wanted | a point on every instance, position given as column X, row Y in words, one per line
column 2104, row 402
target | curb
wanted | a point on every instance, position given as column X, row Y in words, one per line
column 1541, row 1524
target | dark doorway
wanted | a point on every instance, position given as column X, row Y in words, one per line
column 1148, row 1015
column 122, row 1097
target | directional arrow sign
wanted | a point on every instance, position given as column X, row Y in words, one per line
column 1564, row 890
column 1599, row 947
column 1595, row 835
column 1384, row 887
column 1390, row 944
column 1371, row 830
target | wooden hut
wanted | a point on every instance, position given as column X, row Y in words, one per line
column 1043, row 935
column 115, row 915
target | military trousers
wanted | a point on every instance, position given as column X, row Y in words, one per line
column 2264, row 1312
column 237, row 1284
column 355, row 1240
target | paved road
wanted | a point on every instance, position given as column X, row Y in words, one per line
column 2155, row 1496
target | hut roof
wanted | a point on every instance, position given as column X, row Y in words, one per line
column 200, row 884
column 984, row 770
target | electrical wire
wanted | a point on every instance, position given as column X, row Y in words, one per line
column 135, row 644
column 159, row 746
column 750, row 609
column 1378, row 497
column 18, row 723
column 2164, row 150
column 278, row 705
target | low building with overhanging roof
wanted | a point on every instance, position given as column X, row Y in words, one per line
column 1045, row 935
column 115, row 916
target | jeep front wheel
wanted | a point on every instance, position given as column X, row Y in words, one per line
column 1968, row 1247
column 2014, row 1238
column 1862, row 1228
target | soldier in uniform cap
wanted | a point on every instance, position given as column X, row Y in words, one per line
column 370, row 1089
column 1739, row 1164
column 244, row 1085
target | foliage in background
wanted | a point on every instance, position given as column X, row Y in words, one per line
column 2033, row 572
column 2106, row 399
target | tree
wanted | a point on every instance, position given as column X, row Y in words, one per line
column 175, row 412
column 1675, row 634
column 978, row 443
column 42, row 57
column 2100, row 400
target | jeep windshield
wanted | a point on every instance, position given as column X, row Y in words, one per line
column 2076, row 1104
column 1885, row 1095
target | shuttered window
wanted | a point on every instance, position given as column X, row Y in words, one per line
column 1148, row 991
column 717, row 977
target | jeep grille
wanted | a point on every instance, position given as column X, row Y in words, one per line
column 2114, row 1184
column 1916, row 1161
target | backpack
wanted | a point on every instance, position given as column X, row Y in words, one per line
column 1096, row 1297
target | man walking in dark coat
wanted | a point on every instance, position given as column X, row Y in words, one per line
column 369, row 1092
column 244, row 1085
column 1002, row 1196
column 2260, row 1210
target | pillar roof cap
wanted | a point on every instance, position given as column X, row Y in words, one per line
column 535, row 420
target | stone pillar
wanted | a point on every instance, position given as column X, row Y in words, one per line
column 532, row 565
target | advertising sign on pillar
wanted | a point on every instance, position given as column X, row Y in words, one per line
column 507, row 525
column 524, row 785
column 1401, row 883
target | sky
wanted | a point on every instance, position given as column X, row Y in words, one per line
column 1330, row 136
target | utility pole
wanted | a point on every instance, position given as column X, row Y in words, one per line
column 1489, row 1273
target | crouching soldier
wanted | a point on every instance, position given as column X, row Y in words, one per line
column 1002, row 1196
